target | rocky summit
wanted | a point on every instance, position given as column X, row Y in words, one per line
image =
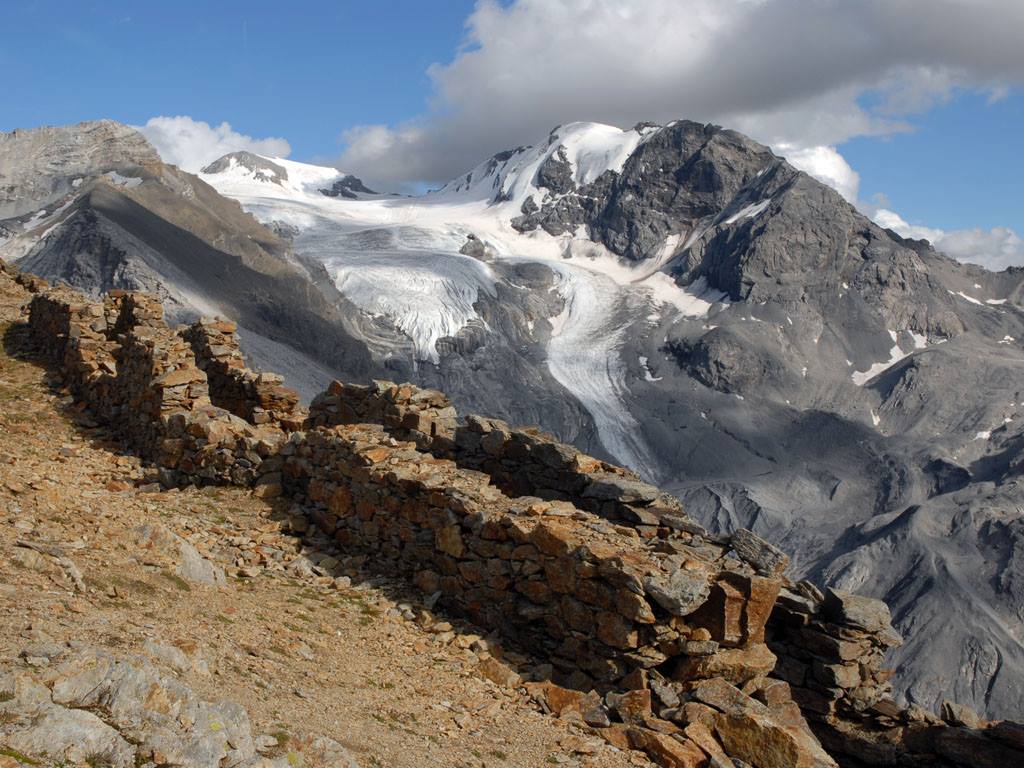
column 204, row 572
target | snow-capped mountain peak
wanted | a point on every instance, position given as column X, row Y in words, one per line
column 249, row 174
column 578, row 152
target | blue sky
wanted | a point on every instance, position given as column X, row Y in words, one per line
column 915, row 108
column 962, row 164
column 304, row 75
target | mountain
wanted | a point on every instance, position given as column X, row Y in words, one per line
column 676, row 298
column 93, row 205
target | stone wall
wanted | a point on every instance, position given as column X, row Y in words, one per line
column 589, row 594
column 831, row 647
column 405, row 410
column 665, row 633
column 136, row 375
column 259, row 398
column 522, row 462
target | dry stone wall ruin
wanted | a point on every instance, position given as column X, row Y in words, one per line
column 259, row 398
column 693, row 647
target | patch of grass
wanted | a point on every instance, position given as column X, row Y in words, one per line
column 223, row 619
column 132, row 585
column 278, row 650
column 177, row 581
column 6, row 696
column 98, row 760
column 499, row 754
column 282, row 737
column 21, row 758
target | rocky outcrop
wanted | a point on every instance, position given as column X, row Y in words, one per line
column 41, row 166
column 348, row 186
column 264, row 169
column 87, row 706
column 678, row 176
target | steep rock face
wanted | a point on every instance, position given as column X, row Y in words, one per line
column 348, row 186
column 40, row 166
column 677, row 176
column 680, row 175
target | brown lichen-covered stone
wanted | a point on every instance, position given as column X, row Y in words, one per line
column 759, row 740
column 667, row 751
column 449, row 540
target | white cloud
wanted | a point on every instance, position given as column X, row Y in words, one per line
column 996, row 248
column 782, row 71
column 191, row 144
column 826, row 165
column 892, row 220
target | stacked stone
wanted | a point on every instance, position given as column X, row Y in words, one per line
column 73, row 333
column 134, row 373
column 30, row 283
column 611, row 611
column 407, row 411
column 522, row 462
column 601, row 596
column 832, row 648
column 157, row 376
column 259, row 398
column 530, row 462
column 209, row 446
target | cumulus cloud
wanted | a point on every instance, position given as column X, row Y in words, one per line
column 784, row 71
column 826, row 165
column 191, row 144
column 996, row 248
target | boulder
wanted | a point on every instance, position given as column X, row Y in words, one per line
column 857, row 611
column 681, row 593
